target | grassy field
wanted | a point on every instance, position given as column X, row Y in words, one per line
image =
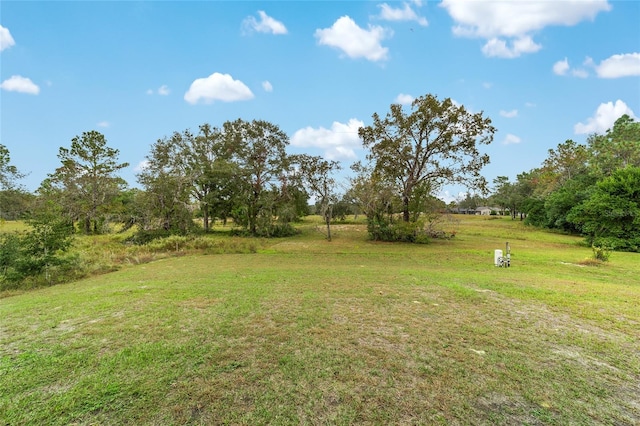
column 348, row 332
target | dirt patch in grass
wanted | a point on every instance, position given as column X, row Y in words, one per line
column 578, row 351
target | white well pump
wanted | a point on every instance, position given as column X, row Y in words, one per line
column 497, row 257
column 500, row 260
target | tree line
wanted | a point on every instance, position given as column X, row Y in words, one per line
column 590, row 189
column 241, row 172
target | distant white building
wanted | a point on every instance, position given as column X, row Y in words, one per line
column 486, row 211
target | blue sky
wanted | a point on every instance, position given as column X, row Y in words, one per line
column 543, row 71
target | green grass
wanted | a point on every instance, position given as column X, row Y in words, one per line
column 349, row 332
column 12, row 225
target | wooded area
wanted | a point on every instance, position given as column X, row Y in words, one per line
column 241, row 172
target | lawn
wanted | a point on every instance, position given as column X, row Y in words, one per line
column 351, row 331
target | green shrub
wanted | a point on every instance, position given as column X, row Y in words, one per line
column 170, row 243
column 275, row 230
column 409, row 232
column 629, row 244
column 601, row 253
column 146, row 236
column 35, row 257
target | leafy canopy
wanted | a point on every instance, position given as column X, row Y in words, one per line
column 436, row 143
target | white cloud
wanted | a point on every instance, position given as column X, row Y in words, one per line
column 509, row 114
column 447, row 197
column 338, row 142
column 162, row 90
column 511, row 139
column 561, row 67
column 6, row 41
column 625, row 65
column 17, row 83
column 266, row 85
column 487, row 85
column 530, row 104
column 354, row 41
column 221, row 87
column 516, row 20
column 579, row 72
column 499, row 48
column 340, row 153
column 104, row 124
column 141, row 166
column 604, row 117
column 404, row 99
column 406, row 13
column 266, row 24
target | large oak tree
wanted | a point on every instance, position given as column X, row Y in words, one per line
column 434, row 144
column 259, row 152
column 202, row 161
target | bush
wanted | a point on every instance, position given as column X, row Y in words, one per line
column 421, row 231
column 276, row 230
column 170, row 243
column 408, row 232
column 35, row 257
column 601, row 253
column 610, row 215
column 629, row 244
column 146, row 236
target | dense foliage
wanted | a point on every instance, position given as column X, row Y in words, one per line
column 8, row 172
column 412, row 154
column 610, row 215
column 241, row 172
column 14, row 201
column 86, row 185
column 418, row 152
column 35, row 255
column 587, row 189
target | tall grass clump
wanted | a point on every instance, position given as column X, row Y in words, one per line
column 209, row 245
column 39, row 257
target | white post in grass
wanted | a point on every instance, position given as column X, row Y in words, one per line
column 497, row 257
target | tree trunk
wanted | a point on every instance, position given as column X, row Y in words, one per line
column 405, row 208
column 205, row 218
column 252, row 212
column 327, row 219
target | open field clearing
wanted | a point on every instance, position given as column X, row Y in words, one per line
column 348, row 332
column 12, row 225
